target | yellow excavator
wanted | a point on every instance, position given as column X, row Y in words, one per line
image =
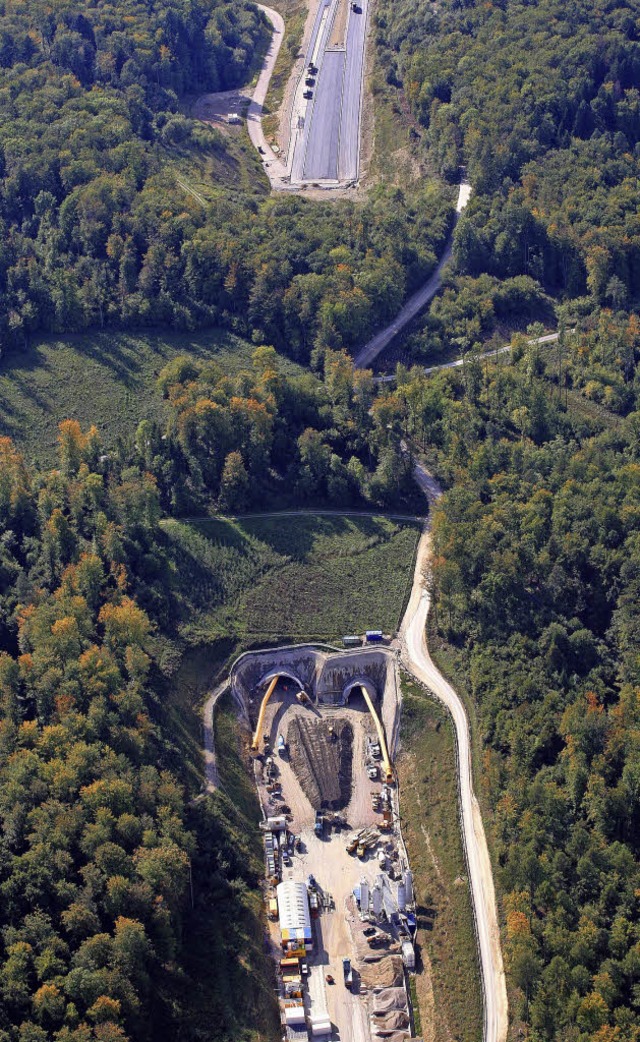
column 386, row 762
column 255, row 745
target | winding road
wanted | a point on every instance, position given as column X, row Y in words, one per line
column 417, row 302
column 417, row 660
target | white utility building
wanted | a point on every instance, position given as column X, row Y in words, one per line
column 295, row 917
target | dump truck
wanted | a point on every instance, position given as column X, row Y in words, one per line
column 347, row 972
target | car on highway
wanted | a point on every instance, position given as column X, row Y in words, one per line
column 310, row 81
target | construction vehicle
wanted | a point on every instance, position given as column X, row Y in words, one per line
column 367, row 838
column 347, row 973
column 255, row 745
column 282, row 746
column 352, row 844
column 318, row 826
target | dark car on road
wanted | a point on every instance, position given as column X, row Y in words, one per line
column 308, row 94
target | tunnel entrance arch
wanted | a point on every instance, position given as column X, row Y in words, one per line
column 281, row 674
column 359, row 682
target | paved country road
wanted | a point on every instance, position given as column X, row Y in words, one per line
column 276, row 170
column 416, row 303
column 416, row 658
column 549, row 338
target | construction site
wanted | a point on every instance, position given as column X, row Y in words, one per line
column 338, row 887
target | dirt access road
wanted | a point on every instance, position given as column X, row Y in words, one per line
column 417, row 302
column 416, row 658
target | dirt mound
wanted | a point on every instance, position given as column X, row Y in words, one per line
column 394, row 1021
column 322, row 759
column 388, row 999
column 388, row 973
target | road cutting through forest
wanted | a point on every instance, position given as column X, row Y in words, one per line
column 417, row 660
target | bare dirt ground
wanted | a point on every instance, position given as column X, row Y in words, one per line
column 338, row 931
column 338, row 32
column 278, row 717
column 214, row 108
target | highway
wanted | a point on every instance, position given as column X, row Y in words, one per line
column 325, row 140
column 416, row 303
column 349, row 153
column 416, row 658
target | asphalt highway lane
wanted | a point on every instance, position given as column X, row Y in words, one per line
column 327, row 147
column 321, row 156
column 352, row 95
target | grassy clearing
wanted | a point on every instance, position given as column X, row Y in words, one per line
column 216, row 164
column 448, row 983
column 397, row 158
column 290, row 578
column 104, row 378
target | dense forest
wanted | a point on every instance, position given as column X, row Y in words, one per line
column 99, row 849
column 97, row 232
column 100, row 843
column 536, row 568
column 540, row 101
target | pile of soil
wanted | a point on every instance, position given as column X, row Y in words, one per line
column 321, row 760
column 390, row 998
column 388, row 973
column 397, row 1020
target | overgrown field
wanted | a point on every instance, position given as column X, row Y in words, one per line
column 106, row 379
column 448, row 983
column 298, row 577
